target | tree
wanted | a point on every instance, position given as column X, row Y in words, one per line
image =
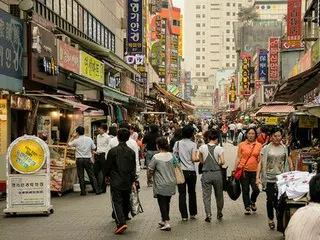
column 247, row 15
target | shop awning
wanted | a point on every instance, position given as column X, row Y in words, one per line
column 296, row 87
column 115, row 95
column 102, row 52
column 188, row 106
column 137, row 101
column 275, row 110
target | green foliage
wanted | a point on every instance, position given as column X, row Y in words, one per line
column 247, row 15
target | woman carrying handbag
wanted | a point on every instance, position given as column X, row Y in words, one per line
column 245, row 169
column 212, row 157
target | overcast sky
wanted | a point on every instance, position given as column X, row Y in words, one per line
column 179, row 4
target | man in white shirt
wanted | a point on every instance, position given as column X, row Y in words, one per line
column 232, row 128
column 100, row 156
column 304, row 224
column 84, row 148
column 130, row 143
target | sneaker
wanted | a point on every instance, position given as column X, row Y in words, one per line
column 184, row 219
column 161, row 224
column 253, row 207
column 208, row 218
column 247, row 211
column 219, row 216
column 193, row 216
column 272, row 225
column 166, row 227
column 121, row 229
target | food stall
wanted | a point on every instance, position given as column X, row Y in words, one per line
column 63, row 171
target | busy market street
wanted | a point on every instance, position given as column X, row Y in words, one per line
column 86, row 218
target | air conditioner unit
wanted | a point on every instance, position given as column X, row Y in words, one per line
column 15, row 11
column 63, row 38
column 75, row 45
column 123, row 23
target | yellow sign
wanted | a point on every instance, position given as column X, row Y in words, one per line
column 91, row 67
column 26, row 156
column 3, row 126
column 308, row 122
column 181, row 37
column 271, row 121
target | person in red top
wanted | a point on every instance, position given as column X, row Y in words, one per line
column 224, row 130
column 248, row 157
column 264, row 137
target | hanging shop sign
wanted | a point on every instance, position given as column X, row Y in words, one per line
column 91, row 67
column 232, row 92
column 263, row 65
column 315, row 55
column 20, row 103
column 127, row 86
column 286, row 45
column 11, row 49
column 245, row 80
column 273, row 59
column 135, row 27
column 294, row 21
column 44, row 67
column 68, row 57
column 268, row 92
column 308, row 122
column 137, row 59
column 3, row 125
column 271, row 121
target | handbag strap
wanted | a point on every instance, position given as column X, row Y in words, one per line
column 249, row 156
column 212, row 156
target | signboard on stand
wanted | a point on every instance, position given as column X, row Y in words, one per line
column 29, row 190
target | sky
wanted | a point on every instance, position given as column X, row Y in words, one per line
column 179, row 4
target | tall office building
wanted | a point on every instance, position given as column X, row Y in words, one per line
column 209, row 44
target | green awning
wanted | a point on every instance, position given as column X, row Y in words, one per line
column 114, row 94
column 102, row 52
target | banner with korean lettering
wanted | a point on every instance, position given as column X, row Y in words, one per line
column 135, row 27
column 263, row 65
column 245, row 81
column 294, row 21
column 91, row 67
column 273, row 59
column 11, row 49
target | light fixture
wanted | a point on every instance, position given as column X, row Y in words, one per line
column 54, row 114
column 26, row 5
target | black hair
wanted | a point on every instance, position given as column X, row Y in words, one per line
column 314, row 189
column 187, row 131
column 253, row 129
column 276, row 129
column 123, row 135
column 212, row 135
column 154, row 128
column 80, row 130
column 178, row 133
column 113, row 131
column 162, row 143
column 124, row 124
column 104, row 126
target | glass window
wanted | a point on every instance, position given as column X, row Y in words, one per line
column 198, row 57
column 56, row 6
column 203, row 41
column 198, row 7
column 203, row 74
column 203, row 49
column 228, row 56
column 239, row 5
column 228, row 65
column 203, row 33
column 197, row 49
column 203, row 16
column 89, row 25
column 228, row 39
column 102, row 36
column 228, row 48
column 198, row 15
column 94, row 29
column 106, row 39
column 198, row 25
column 228, row 31
column 228, row 13
column 203, row 24
column 233, row 64
column 113, row 43
column 197, row 65
column 228, row 23
column 75, row 14
column 110, row 40
column 203, row 65
column 197, row 33
column 98, row 33
column 63, row 9
column 85, row 21
column 69, row 11
column 228, row 4
column 234, row 4
column 165, row 4
column 198, row 74
column 203, row 6
column 49, row 4
column 198, row 41
column 203, row 57
column 233, row 13
column 81, row 19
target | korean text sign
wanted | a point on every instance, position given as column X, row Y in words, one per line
column 294, row 21
column 135, row 26
column 245, row 81
column 11, row 46
column 91, row 67
column 68, row 57
column 263, row 66
column 273, row 59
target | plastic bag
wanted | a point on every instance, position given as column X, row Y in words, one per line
column 135, row 203
column 234, row 190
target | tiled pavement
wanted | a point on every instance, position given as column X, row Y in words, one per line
column 86, row 218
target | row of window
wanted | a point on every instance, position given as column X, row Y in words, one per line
column 79, row 17
column 217, row 4
column 234, row 5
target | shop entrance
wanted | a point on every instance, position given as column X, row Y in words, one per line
column 18, row 123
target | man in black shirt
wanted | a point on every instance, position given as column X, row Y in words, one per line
column 121, row 168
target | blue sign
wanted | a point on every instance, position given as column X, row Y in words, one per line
column 135, row 27
column 11, row 48
column 263, row 66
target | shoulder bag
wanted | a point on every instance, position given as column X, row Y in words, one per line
column 239, row 172
column 177, row 169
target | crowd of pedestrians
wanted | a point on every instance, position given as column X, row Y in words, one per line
column 121, row 151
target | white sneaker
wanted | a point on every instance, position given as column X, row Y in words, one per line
column 166, row 227
column 161, row 223
column 193, row 216
column 184, row 219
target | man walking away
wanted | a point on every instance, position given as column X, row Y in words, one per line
column 100, row 156
column 84, row 146
column 121, row 168
column 232, row 128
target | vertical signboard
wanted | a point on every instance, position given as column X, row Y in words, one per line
column 273, row 59
column 232, row 92
column 187, row 91
column 163, row 46
column 135, row 26
column 245, row 78
column 268, row 92
column 263, row 66
column 181, row 37
column 294, row 21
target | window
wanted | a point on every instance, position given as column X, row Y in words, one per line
column 215, row 35
column 239, row 5
column 227, row 56
column 176, row 23
column 197, row 41
column 233, row 48
column 233, row 13
column 228, row 31
column 203, row 6
column 85, row 21
column 227, row 47
column 56, row 7
column 203, row 49
column 203, row 65
column 198, row 25
column 203, row 16
column 198, row 57
column 203, row 33
column 198, row 74
column 228, row 39
column 203, row 41
column 228, row 13
column 197, row 33
column 203, row 24
column 198, row 7
column 234, row 4
column 214, row 17
column 165, row 4
column 197, row 49
column 75, row 14
column 198, row 15
column 69, row 11
column 227, row 64
column 203, row 57
column 233, row 64
column 203, row 74
column 197, row 65
column 228, row 4
column 228, row 23
column 233, row 56
column 63, row 9
column 49, row 4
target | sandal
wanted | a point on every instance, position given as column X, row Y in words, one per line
column 272, row 225
column 253, row 207
column 247, row 211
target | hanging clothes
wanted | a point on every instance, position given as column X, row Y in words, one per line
column 119, row 114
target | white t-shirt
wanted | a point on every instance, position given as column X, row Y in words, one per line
column 239, row 126
column 84, row 146
column 102, row 142
column 232, row 126
column 205, row 152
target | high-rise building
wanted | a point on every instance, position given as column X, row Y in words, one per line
column 209, row 43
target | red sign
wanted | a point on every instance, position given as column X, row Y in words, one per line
column 286, row 45
column 68, row 57
column 294, row 21
column 259, row 84
column 273, row 59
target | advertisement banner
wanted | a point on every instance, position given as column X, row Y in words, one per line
column 271, row 121
column 91, row 67
column 68, row 57
column 308, row 122
column 294, row 21
column 273, row 59
column 135, row 27
column 286, row 45
column 263, row 65
column 11, row 49
column 268, row 92
column 245, row 78
column 3, row 125
column 315, row 53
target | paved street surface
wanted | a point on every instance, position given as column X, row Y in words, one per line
column 86, row 218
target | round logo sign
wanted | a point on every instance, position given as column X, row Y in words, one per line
column 27, row 154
